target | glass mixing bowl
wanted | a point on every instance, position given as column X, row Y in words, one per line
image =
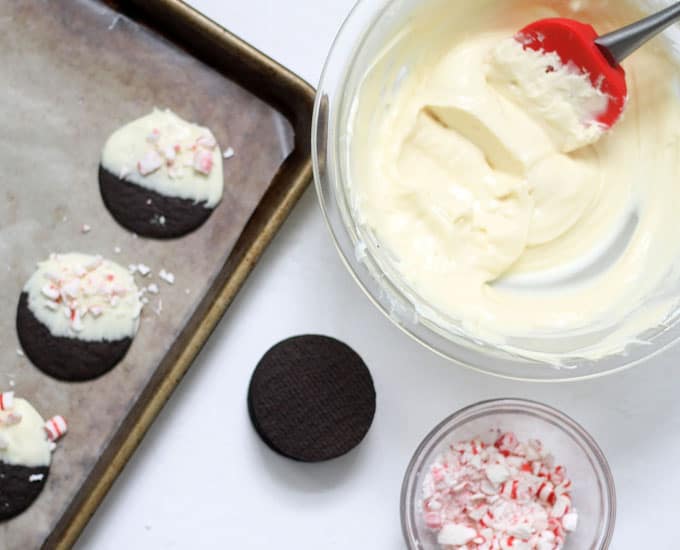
column 363, row 36
column 593, row 491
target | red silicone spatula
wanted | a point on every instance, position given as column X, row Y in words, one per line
column 598, row 56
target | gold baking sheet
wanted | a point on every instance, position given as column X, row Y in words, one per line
column 71, row 72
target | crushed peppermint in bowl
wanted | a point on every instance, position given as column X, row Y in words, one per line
column 508, row 474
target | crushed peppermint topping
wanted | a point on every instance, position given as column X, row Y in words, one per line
column 6, row 400
column 154, row 136
column 229, row 153
column 502, row 495
column 84, row 229
column 20, row 352
column 153, row 288
column 83, row 289
column 35, row 477
column 203, row 161
column 149, row 163
column 167, row 277
column 56, row 428
column 206, row 141
column 163, row 149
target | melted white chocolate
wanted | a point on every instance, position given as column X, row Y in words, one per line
column 85, row 297
column 24, row 440
column 173, row 142
column 488, row 189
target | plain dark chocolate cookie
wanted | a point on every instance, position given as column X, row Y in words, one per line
column 311, row 398
column 148, row 213
column 17, row 491
column 66, row 359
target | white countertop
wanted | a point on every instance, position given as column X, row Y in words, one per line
column 202, row 479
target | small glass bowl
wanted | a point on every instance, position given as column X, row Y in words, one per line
column 593, row 491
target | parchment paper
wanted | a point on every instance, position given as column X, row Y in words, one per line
column 71, row 72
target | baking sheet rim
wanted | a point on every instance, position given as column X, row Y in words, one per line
column 296, row 170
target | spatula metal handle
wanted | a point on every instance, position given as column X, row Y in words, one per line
column 620, row 44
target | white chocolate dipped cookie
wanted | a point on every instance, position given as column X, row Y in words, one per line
column 77, row 315
column 26, row 445
column 161, row 176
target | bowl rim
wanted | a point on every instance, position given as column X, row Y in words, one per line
column 549, row 374
column 493, row 406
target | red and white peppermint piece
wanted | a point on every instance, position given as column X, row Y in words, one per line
column 203, row 161
column 207, row 141
column 11, row 419
column 456, row 534
column 170, row 154
column 570, row 522
column 434, row 520
column 149, row 163
column 561, row 506
column 500, row 495
column 154, row 136
column 497, row 473
column 507, row 443
column 71, row 288
column 55, row 427
column 76, row 320
column 6, row 400
column 50, row 291
column 546, row 491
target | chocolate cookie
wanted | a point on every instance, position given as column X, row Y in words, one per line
column 66, row 359
column 77, row 316
column 147, row 212
column 19, row 487
column 161, row 176
column 26, row 444
column 311, row 398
